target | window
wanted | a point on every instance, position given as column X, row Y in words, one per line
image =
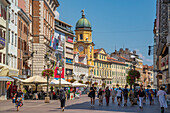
column 94, row 72
column 0, row 57
column 15, row 19
column 25, row 29
column 21, row 26
column 9, row 36
column 15, row 2
column 12, row 41
column 31, row 9
column 12, row 16
column 81, row 36
column 15, row 40
column 3, row 58
column 18, row 24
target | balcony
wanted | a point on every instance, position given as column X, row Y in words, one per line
column 26, row 72
column 2, row 43
column 26, row 55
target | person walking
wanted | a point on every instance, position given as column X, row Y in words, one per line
column 107, row 95
column 92, row 95
column 131, row 97
column 113, row 94
column 125, row 94
column 141, row 95
column 162, row 99
column 100, row 96
column 119, row 94
column 18, row 96
column 62, row 98
column 150, row 95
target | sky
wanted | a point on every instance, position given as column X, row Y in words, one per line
column 115, row 23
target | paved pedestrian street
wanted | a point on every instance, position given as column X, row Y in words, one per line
column 81, row 105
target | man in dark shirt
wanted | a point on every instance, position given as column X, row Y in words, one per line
column 125, row 94
column 92, row 93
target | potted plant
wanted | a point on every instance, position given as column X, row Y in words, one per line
column 72, row 80
column 47, row 73
column 96, row 83
column 80, row 81
column 87, row 82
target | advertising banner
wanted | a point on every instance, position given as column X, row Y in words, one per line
column 57, row 42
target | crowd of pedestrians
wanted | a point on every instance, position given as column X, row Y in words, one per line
column 140, row 96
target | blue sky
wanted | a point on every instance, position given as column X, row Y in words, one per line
column 115, row 23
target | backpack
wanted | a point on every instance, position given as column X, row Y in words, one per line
column 62, row 96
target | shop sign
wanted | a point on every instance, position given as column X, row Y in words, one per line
column 164, row 62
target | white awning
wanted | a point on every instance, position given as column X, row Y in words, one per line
column 76, row 84
column 5, row 78
column 57, row 82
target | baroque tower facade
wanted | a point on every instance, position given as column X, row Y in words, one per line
column 83, row 42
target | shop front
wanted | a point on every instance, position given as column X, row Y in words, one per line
column 7, row 84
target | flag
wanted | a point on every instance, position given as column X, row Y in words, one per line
column 51, row 41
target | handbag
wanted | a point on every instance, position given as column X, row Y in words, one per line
column 90, row 94
column 13, row 100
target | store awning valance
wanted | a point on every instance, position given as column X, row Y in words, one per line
column 5, row 78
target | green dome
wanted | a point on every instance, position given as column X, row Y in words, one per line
column 83, row 23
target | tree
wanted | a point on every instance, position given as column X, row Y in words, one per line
column 132, row 76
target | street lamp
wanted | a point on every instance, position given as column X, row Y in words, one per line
column 67, row 73
column 60, row 71
column 91, row 71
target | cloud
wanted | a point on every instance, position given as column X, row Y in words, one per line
column 141, row 56
column 146, row 60
column 149, row 60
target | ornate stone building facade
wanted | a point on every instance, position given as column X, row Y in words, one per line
column 43, row 14
column 162, row 43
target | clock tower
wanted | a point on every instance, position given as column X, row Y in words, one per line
column 83, row 41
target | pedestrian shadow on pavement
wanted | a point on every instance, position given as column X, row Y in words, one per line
column 112, row 107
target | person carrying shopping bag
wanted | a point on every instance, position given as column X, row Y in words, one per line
column 162, row 99
column 18, row 96
column 100, row 96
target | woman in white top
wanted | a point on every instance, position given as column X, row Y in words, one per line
column 119, row 94
column 162, row 99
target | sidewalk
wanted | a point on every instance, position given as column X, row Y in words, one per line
column 81, row 105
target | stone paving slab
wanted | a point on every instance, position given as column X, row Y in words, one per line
column 81, row 105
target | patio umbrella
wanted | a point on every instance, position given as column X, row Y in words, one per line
column 77, row 84
column 56, row 82
column 35, row 80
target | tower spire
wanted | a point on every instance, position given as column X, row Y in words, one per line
column 83, row 15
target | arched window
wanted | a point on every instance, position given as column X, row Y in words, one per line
column 81, row 36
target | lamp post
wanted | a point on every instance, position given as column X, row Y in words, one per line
column 67, row 73
column 91, row 71
column 60, row 71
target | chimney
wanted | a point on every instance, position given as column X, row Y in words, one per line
column 134, row 52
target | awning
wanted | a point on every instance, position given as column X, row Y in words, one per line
column 6, row 79
column 6, row 71
column 3, row 70
column 16, row 78
column 13, row 72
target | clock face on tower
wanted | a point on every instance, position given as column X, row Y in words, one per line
column 80, row 48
